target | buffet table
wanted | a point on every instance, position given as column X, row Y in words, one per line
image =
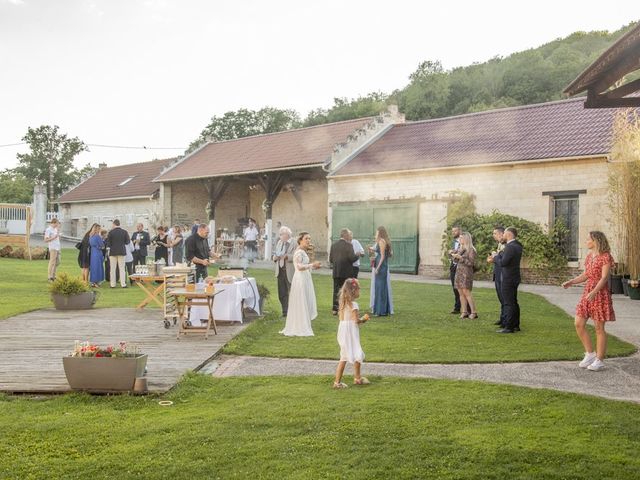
column 230, row 302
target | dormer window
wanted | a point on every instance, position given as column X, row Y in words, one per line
column 125, row 181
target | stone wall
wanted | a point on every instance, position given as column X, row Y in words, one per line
column 189, row 201
column 515, row 189
column 78, row 217
column 302, row 210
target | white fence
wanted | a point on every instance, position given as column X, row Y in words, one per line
column 52, row 215
column 14, row 218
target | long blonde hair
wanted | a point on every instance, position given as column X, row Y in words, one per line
column 466, row 240
column 348, row 293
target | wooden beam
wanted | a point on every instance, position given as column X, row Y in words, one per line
column 601, row 101
column 215, row 188
column 623, row 90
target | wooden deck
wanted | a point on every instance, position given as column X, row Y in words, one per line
column 32, row 345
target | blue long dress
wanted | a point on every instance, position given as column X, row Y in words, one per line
column 96, row 265
column 381, row 302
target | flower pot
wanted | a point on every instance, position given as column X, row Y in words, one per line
column 634, row 293
column 104, row 374
column 615, row 284
column 625, row 286
column 80, row 301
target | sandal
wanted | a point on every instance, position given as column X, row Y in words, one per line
column 473, row 316
column 362, row 381
column 339, row 385
column 464, row 315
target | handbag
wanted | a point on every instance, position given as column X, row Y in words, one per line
column 79, row 245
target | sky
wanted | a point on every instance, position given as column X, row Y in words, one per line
column 152, row 73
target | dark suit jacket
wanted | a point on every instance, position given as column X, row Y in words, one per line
column 508, row 260
column 116, row 241
column 497, row 272
column 342, row 256
column 144, row 241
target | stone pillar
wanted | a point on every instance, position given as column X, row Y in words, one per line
column 39, row 210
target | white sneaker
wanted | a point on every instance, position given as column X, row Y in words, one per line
column 596, row 365
column 588, row 359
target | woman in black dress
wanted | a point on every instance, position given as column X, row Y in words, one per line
column 161, row 241
column 84, row 254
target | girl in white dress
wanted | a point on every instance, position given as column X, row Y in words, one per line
column 349, row 334
column 302, row 296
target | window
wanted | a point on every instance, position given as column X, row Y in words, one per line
column 126, row 180
column 565, row 208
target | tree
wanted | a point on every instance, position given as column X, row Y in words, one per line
column 50, row 161
column 427, row 94
column 245, row 123
column 14, row 187
column 344, row 109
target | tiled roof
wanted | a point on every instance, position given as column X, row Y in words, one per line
column 289, row 149
column 549, row 130
column 104, row 185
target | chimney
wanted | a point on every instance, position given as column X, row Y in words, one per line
column 102, row 166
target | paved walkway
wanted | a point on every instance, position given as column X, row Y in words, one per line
column 619, row 381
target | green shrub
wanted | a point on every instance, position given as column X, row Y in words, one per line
column 542, row 250
column 67, row 285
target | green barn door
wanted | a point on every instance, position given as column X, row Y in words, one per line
column 400, row 220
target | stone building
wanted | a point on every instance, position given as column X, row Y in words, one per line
column 125, row 192
column 277, row 177
column 538, row 162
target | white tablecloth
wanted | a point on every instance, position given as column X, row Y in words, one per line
column 228, row 301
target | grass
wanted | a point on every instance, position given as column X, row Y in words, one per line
column 299, row 428
column 421, row 331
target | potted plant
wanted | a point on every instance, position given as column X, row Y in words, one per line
column 96, row 369
column 615, row 280
column 69, row 293
column 634, row 289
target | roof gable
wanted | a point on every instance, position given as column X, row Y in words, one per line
column 124, row 181
column 543, row 131
column 297, row 148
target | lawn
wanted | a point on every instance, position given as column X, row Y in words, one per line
column 421, row 331
column 300, row 428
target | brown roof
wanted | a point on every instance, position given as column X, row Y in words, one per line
column 103, row 185
column 290, row 149
column 543, row 131
column 618, row 60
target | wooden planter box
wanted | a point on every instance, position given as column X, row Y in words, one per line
column 103, row 374
column 81, row 301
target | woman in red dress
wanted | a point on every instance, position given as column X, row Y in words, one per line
column 595, row 302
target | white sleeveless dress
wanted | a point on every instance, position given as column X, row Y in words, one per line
column 302, row 299
column 349, row 336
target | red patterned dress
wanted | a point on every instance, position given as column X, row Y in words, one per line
column 601, row 307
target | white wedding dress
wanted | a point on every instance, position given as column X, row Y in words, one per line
column 302, row 299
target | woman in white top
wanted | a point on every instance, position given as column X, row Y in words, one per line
column 302, row 296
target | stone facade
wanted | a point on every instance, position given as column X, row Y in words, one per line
column 516, row 189
column 78, row 217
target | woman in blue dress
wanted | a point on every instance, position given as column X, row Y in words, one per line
column 381, row 301
column 96, row 265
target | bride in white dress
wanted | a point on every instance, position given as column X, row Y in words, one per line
column 302, row 296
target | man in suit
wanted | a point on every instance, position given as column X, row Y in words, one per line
column 509, row 262
column 498, row 234
column 341, row 257
column 116, row 241
column 141, row 241
column 284, row 269
column 453, row 266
